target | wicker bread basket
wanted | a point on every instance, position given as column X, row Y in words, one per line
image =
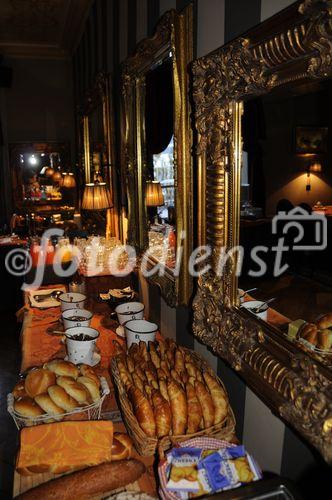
column 90, row 412
column 147, row 446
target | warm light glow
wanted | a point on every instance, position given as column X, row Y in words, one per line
column 96, row 197
column 33, row 160
column 49, row 171
column 154, row 194
column 57, row 176
column 316, row 166
column 68, row 180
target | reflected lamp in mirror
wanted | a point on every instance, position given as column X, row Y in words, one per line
column 49, row 171
column 153, row 198
column 97, row 196
column 57, row 177
column 154, row 194
column 314, row 167
column 68, row 180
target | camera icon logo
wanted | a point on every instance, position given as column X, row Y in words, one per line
column 311, row 228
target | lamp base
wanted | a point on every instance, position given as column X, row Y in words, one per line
column 108, row 223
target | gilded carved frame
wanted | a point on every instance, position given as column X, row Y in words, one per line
column 173, row 34
column 101, row 95
column 294, row 45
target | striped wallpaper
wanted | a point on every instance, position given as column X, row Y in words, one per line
column 112, row 30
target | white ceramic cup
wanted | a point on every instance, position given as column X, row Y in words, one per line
column 140, row 330
column 81, row 351
column 71, row 313
column 253, row 304
column 72, row 301
column 128, row 311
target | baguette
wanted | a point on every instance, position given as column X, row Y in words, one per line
column 88, row 482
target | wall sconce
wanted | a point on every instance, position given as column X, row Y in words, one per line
column 153, row 198
column 314, row 167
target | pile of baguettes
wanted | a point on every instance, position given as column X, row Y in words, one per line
column 57, row 388
column 169, row 393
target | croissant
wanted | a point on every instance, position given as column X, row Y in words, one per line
column 163, row 389
column 162, row 414
column 219, row 398
column 140, row 373
column 143, row 411
column 179, row 362
column 164, row 366
column 143, row 351
column 191, row 369
column 179, row 408
column 155, row 358
column 125, row 376
column 161, row 374
column 162, row 349
column 170, row 359
column 138, row 382
column 130, row 364
column 195, row 414
column 206, row 402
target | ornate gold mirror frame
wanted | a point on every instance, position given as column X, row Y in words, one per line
column 295, row 45
column 173, row 35
column 100, row 96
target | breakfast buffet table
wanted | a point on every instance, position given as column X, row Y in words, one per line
column 40, row 345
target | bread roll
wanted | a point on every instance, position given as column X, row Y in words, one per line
column 38, row 381
column 309, row 333
column 19, row 390
column 46, row 403
column 91, row 387
column 88, row 483
column 195, row 413
column 88, row 371
column 75, row 389
column 178, row 402
column 122, row 446
column 27, row 407
column 206, row 402
column 219, row 398
column 324, row 339
column 143, row 411
column 62, row 367
column 162, row 414
column 61, row 398
column 325, row 321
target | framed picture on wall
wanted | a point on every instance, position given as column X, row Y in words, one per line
column 311, row 140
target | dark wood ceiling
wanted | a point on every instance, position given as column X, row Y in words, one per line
column 41, row 28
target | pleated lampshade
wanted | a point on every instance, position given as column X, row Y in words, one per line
column 68, row 180
column 49, row 171
column 154, row 194
column 96, row 196
column 57, row 176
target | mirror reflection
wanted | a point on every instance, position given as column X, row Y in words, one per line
column 159, row 141
column 286, row 214
column 98, row 155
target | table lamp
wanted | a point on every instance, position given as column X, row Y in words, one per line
column 154, row 196
column 96, row 196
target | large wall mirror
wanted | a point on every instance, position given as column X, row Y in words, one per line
column 265, row 145
column 97, row 153
column 157, row 153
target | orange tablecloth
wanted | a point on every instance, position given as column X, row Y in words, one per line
column 38, row 347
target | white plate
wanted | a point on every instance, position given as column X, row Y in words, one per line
column 120, row 331
column 95, row 361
